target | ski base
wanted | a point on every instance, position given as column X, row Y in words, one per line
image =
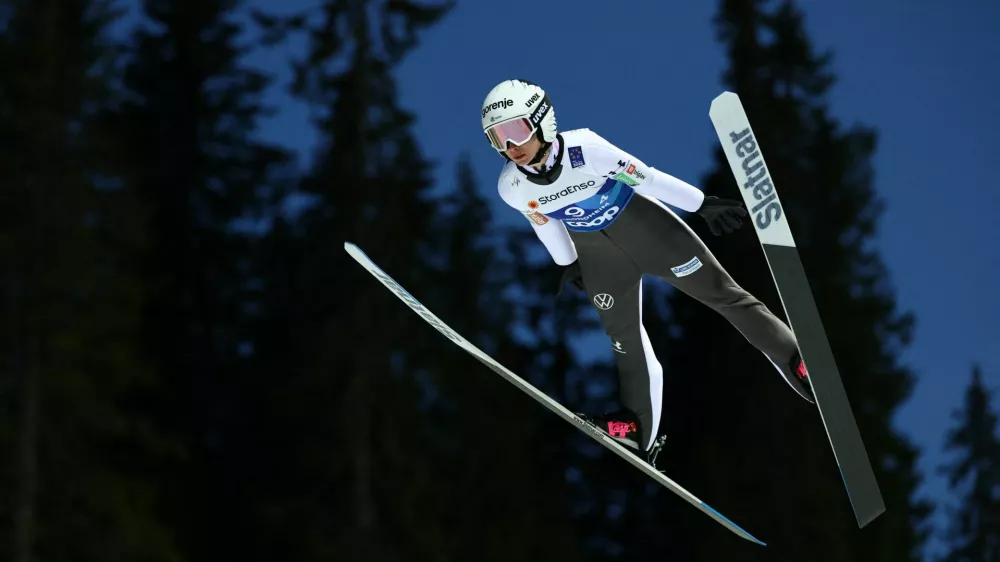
column 557, row 408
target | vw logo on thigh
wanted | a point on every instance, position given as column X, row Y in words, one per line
column 604, row 301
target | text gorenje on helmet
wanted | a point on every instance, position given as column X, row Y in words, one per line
column 497, row 105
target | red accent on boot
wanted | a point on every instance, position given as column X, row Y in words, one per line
column 801, row 370
column 620, row 428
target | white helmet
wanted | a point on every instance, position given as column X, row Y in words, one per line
column 515, row 110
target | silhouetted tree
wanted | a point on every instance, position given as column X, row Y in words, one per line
column 973, row 534
column 189, row 118
column 740, row 438
column 349, row 473
column 71, row 486
column 504, row 464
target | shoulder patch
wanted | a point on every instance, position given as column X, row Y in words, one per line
column 620, row 168
column 537, row 217
column 575, row 156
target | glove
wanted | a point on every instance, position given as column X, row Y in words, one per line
column 722, row 214
column 571, row 274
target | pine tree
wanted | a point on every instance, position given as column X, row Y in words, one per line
column 505, row 473
column 72, row 486
column 189, row 120
column 416, row 440
column 974, row 532
column 354, row 480
column 749, row 445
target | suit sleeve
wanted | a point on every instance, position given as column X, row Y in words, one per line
column 617, row 164
column 552, row 233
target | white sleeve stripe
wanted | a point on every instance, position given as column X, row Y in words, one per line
column 674, row 191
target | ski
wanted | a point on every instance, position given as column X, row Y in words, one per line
column 769, row 220
column 553, row 405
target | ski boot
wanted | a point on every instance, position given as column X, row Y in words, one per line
column 622, row 426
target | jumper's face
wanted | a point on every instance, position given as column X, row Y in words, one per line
column 523, row 154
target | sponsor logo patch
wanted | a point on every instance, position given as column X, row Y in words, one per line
column 618, row 169
column 571, row 189
column 604, row 301
column 626, row 179
column 687, row 268
column 537, row 218
column 576, row 156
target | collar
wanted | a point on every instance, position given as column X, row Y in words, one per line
column 553, row 165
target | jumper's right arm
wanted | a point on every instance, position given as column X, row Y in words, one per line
column 551, row 232
column 555, row 237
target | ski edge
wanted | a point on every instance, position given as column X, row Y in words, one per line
column 539, row 396
column 853, row 461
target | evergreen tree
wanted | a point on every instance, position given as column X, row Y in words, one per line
column 71, row 486
column 348, row 467
column 189, row 119
column 417, row 447
column 749, row 445
column 974, row 532
column 504, row 471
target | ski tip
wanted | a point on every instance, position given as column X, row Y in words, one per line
column 355, row 252
column 739, row 530
column 353, row 249
column 723, row 99
column 726, row 95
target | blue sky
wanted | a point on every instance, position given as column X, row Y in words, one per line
column 643, row 75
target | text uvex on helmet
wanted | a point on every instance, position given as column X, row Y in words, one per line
column 514, row 110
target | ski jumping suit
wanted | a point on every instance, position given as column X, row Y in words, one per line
column 599, row 204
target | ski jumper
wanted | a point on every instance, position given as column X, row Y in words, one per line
column 600, row 205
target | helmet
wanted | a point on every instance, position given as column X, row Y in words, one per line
column 515, row 110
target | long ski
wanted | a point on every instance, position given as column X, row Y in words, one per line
column 542, row 398
column 769, row 220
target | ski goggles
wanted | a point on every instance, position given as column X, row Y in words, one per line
column 516, row 131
